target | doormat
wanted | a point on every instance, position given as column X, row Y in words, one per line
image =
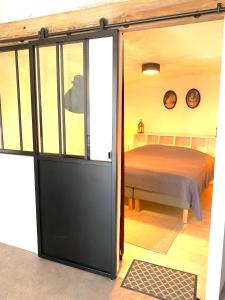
column 152, row 230
column 160, row 282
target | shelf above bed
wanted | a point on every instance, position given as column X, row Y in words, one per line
column 201, row 143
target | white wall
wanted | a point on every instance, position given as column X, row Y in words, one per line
column 216, row 260
column 12, row 10
column 144, row 100
column 222, row 280
column 17, row 202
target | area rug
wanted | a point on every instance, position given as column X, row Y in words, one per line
column 152, row 229
column 160, row 282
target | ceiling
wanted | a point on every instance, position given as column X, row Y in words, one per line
column 24, row 9
column 184, row 49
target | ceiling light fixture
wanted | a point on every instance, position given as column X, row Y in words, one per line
column 151, row 68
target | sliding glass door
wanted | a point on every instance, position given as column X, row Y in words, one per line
column 76, row 162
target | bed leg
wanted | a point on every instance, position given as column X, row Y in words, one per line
column 137, row 205
column 130, row 203
column 185, row 216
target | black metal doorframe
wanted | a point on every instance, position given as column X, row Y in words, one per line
column 61, row 157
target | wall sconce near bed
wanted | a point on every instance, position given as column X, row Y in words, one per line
column 150, row 68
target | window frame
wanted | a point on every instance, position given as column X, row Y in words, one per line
column 60, row 97
column 15, row 49
column 51, row 41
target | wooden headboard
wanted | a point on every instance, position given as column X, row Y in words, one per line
column 204, row 144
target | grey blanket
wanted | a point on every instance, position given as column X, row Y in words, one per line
column 170, row 170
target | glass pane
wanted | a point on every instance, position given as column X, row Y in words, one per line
column 48, row 97
column 74, row 98
column 25, row 99
column 100, row 97
column 9, row 104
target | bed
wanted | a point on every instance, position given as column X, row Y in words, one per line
column 168, row 175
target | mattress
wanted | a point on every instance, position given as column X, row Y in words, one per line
column 176, row 171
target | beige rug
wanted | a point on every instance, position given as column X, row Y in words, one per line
column 154, row 229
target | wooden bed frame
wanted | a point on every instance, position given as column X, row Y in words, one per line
column 138, row 208
column 204, row 144
column 135, row 203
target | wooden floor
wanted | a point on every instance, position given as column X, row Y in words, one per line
column 189, row 251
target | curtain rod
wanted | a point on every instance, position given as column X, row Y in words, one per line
column 103, row 24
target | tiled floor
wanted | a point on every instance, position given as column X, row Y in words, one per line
column 25, row 276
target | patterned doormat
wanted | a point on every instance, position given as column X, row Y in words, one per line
column 160, row 282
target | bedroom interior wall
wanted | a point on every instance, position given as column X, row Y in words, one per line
column 144, row 100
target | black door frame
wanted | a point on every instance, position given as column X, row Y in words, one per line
column 15, row 49
column 70, row 39
column 84, row 37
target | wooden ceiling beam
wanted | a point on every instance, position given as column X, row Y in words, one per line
column 113, row 12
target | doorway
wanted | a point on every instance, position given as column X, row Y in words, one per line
column 180, row 126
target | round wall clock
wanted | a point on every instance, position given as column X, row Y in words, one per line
column 170, row 99
column 193, row 98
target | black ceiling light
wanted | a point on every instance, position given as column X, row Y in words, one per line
column 150, row 68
